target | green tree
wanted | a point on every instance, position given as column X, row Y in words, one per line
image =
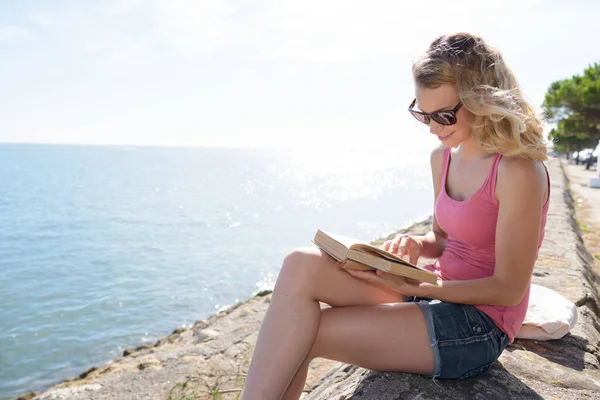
column 565, row 143
column 574, row 105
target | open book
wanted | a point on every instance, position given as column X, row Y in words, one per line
column 360, row 255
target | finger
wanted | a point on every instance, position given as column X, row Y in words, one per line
column 386, row 276
column 362, row 274
column 413, row 254
column 395, row 243
column 341, row 264
column 381, row 274
column 395, row 282
column 367, row 276
column 388, row 279
column 403, row 247
column 386, row 245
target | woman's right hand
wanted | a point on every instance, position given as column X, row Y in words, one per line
column 405, row 245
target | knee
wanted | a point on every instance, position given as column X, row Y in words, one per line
column 298, row 266
column 297, row 256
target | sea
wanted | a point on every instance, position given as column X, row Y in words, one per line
column 103, row 248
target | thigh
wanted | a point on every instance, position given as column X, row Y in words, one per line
column 311, row 270
column 390, row 337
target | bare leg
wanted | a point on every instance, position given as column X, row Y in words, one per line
column 292, row 321
column 380, row 337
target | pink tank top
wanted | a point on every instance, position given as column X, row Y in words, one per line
column 470, row 248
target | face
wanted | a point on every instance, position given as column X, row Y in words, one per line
column 443, row 98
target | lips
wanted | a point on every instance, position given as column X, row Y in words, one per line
column 444, row 138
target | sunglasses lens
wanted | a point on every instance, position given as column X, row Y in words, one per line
column 444, row 118
column 420, row 117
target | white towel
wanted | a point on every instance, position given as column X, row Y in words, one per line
column 549, row 315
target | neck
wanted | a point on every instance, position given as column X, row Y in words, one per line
column 469, row 150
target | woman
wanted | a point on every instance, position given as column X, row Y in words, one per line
column 491, row 199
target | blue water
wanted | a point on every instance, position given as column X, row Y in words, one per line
column 104, row 248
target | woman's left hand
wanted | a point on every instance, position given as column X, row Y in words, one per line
column 405, row 286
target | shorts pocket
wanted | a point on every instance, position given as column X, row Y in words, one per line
column 477, row 371
column 475, row 321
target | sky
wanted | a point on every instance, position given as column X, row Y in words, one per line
column 257, row 73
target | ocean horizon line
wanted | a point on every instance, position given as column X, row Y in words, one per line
column 320, row 147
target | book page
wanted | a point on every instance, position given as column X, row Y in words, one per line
column 346, row 240
column 363, row 246
column 384, row 254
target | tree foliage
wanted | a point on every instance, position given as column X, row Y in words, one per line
column 564, row 143
column 574, row 105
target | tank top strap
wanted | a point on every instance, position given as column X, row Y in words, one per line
column 494, row 177
column 445, row 164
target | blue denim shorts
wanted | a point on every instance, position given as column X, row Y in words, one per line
column 465, row 341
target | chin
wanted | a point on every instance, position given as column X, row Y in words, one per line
column 452, row 142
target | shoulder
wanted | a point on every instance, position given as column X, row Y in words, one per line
column 521, row 177
column 521, row 168
column 437, row 157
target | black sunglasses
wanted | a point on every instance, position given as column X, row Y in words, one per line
column 441, row 117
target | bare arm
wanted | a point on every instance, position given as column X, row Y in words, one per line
column 522, row 191
column 434, row 242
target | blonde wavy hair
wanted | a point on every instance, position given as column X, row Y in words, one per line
column 503, row 121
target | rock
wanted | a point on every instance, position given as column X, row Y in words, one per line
column 28, row 396
column 149, row 362
column 263, row 293
column 67, row 393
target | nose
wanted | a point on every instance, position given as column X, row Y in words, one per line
column 435, row 128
